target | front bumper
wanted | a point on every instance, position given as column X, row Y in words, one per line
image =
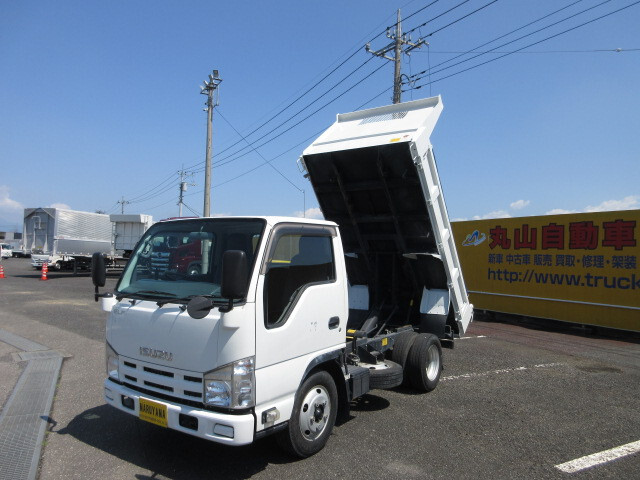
column 38, row 262
column 231, row 429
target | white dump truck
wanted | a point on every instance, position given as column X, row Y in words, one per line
column 252, row 326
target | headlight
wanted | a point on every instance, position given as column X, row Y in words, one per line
column 112, row 363
column 231, row 386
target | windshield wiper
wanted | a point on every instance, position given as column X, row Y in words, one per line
column 213, row 298
column 154, row 292
column 147, row 294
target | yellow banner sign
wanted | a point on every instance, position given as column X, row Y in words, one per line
column 577, row 267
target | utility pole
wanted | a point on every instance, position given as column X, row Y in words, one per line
column 209, row 87
column 183, row 187
column 123, row 202
column 398, row 41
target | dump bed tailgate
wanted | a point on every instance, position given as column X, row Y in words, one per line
column 374, row 174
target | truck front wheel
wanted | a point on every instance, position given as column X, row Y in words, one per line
column 424, row 364
column 313, row 417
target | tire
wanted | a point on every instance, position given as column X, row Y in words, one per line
column 400, row 352
column 385, row 376
column 424, row 364
column 57, row 266
column 313, row 417
column 194, row 269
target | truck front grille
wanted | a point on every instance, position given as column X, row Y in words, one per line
column 160, row 261
column 183, row 386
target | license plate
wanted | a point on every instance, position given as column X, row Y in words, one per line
column 153, row 412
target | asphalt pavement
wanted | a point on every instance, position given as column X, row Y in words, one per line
column 517, row 399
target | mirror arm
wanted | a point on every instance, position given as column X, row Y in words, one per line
column 98, row 295
column 228, row 307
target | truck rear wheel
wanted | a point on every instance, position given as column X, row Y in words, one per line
column 400, row 352
column 313, row 417
column 424, row 364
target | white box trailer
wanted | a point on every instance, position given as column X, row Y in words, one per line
column 59, row 236
column 127, row 230
column 65, row 238
column 271, row 325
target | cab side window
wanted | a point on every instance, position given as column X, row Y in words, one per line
column 296, row 262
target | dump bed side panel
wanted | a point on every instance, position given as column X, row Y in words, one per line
column 432, row 190
column 374, row 174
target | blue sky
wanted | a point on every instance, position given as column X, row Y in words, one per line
column 100, row 100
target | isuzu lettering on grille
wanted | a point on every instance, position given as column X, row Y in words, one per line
column 153, row 353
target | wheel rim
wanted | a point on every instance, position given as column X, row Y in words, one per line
column 314, row 412
column 433, row 362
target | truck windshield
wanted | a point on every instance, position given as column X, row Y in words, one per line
column 181, row 259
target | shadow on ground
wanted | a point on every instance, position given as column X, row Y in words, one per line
column 167, row 453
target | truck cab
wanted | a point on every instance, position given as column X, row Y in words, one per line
column 6, row 250
column 235, row 328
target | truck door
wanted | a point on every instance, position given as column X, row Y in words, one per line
column 302, row 298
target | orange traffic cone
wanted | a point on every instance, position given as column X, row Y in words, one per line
column 45, row 269
column 1, row 271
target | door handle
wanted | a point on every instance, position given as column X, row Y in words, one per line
column 334, row 322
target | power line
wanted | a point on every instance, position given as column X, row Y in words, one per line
column 138, row 197
column 158, row 190
column 438, row 16
column 430, row 71
column 167, row 202
column 305, row 93
column 168, row 187
column 608, row 50
column 315, row 135
column 463, row 17
column 417, row 11
column 293, row 102
column 229, row 159
column 222, row 161
column 346, row 77
column 417, row 77
column 191, row 210
column 261, row 156
column 148, row 195
column 531, row 44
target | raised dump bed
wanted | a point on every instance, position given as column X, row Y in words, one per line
column 375, row 175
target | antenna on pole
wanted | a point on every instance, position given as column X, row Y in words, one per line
column 183, row 187
column 398, row 41
column 208, row 88
column 122, row 203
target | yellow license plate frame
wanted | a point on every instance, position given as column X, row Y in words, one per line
column 153, row 412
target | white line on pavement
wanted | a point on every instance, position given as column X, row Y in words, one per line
column 599, row 458
column 501, row 371
column 472, row 336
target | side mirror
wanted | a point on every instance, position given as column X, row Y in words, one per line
column 98, row 272
column 235, row 273
column 199, row 307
